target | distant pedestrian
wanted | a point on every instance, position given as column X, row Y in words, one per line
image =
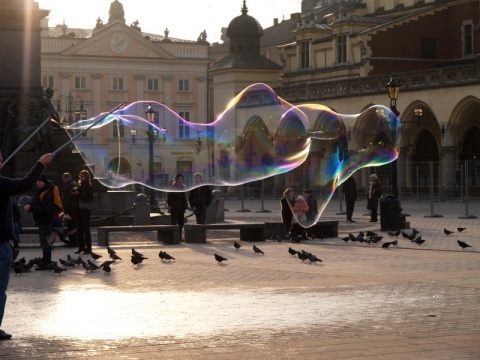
column 70, row 209
column 84, row 193
column 177, row 202
column 350, row 193
column 43, row 209
column 10, row 187
column 200, row 199
column 286, row 204
column 312, row 212
column 374, row 191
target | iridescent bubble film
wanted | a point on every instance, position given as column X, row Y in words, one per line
column 259, row 135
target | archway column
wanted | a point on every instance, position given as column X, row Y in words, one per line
column 449, row 169
column 402, row 170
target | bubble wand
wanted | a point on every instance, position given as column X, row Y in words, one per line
column 119, row 106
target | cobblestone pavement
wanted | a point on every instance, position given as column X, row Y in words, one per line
column 361, row 301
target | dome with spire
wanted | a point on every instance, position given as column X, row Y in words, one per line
column 244, row 25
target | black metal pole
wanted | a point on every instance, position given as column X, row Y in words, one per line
column 394, row 173
column 151, row 141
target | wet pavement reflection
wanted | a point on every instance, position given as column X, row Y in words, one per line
column 99, row 313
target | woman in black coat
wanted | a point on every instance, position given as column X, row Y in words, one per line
column 374, row 191
column 287, row 215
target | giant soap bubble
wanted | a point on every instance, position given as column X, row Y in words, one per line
column 259, row 135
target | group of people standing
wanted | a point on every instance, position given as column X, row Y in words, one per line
column 200, row 198
column 302, row 209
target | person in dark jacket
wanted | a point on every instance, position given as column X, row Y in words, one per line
column 70, row 208
column 10, row 187
column 85, row 193
column 286, row 203
column 177, row 202
column 374, row 191
column 312, row 211
column 350, row 193
column 43, row 210
column 200, row 199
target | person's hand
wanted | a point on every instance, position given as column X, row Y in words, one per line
column 26, row 208
column 46, row 159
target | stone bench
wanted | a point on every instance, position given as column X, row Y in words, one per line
column 196, row 233
column 168, row 234
column 29, row 230
column 323, row 228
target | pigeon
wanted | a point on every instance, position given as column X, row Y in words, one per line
column 313, row 258
column 415, row 231
column 447, row 232
column 86, row 266
column 352, row 237
column 257, row 250
column 18, row 268
column 276, row 237
column 346, row 238
column 107, row 263
column 114, row 256
column 92, row 265
column 57, row 269
column 385, row 245
column 404, row 234
column 106, row 268
column 136, row 253
column 411, row 237
column 394, row 233
column 463, row 245
column 95, row 256
column 292, row 252
column 460, row 229
column 394, row 243
column 110, row 251
column 302, row 256
column 219, row 258
column 136, row 260
column 419, row 241
column 236, row 245
column 164, row 256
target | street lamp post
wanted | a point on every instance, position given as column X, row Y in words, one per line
column 393, row 88
column 151, row 135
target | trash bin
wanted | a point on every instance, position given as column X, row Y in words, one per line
column 388, row 212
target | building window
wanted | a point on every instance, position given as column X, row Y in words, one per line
column 428, row 48
column 304, row 55
column 47, row 81
column 80, row 82
column 183, row 131
column 153, row 85
column 118, row 128
column 118, row 83
column 341, row 49
column 467, row 38
column 183, row 85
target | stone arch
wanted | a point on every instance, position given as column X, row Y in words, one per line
column 425, row 162
column 464, row 116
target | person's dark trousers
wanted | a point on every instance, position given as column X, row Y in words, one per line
column 44, row 231
column 201, row 215
column 6, row 259
column 350, row 208
column 177, row 218
column 84, row 234
column 373, row 217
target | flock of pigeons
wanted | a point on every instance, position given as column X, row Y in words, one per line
column 371, row 238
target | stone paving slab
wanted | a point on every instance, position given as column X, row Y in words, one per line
column 361, row 302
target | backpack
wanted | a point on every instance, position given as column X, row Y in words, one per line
column 57, row 201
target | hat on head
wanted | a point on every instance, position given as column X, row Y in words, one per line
column 43, row 177
column 197, row 175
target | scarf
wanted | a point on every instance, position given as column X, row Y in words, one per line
column 371, row 191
